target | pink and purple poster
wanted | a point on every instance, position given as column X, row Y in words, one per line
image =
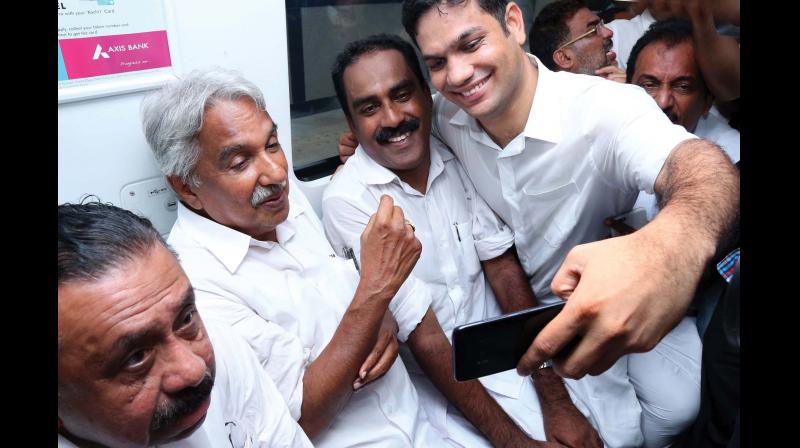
column 111, row 46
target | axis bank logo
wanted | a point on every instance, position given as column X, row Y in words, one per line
column 98, row 52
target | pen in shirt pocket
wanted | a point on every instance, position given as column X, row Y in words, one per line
column 349, row 253
column 458, row 234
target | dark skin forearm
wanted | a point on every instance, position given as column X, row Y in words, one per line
column 433, row 352
column 328, row 381
column 508, row 282
column 514, row 293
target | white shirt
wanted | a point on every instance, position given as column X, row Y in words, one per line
column 450, row 266
column 246, row 408
column 457, row 231
column 589, row 146
column 287, row 299
column 713, row 127
column 626, row 33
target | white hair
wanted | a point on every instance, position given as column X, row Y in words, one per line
column 173, row 116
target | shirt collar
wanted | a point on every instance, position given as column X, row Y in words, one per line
column 544, row 125
column 230, row 246
column 544, row 118
column 646, row 17
column 373, row 173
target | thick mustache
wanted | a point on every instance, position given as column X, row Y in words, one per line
column 181, row 405
column 408, row 125
column 673, row 117
column 261, row 193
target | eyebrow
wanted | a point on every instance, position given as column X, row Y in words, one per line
column 688, row 78
column 125, row 343
column 461, row 37
column 645, row 76
column 404, row 84
column 229, row 151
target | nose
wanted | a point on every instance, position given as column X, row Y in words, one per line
column 269, row 168
column 184, row 369
column 605, row 32
column 459, row 72
column 392, row 116
column 664, row 98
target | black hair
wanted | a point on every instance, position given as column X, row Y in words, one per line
column 550, row 29
column 671, row 32
column 377, row 42
column 414, row 9
column 94, row 238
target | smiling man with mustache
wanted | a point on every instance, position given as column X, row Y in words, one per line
column 258, row 258
column 137, row 366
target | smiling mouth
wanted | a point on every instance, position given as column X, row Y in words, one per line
column 400, row 138
column 475, row 89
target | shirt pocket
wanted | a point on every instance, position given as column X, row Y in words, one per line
column 551, row 213
column 467, row 261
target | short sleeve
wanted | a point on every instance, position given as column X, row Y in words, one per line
column 344, row 221
column 633, row 136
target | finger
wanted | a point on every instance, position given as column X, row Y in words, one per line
column 622, row 79
column 590, row 352
column 385, row 209
column 348, row 139
column 398, row 216
column 384, row 363
column 368, row 364
column 565, row 327
column 607, row 360
column 604, row 70
column 569, row 274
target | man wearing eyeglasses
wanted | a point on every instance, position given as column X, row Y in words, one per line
column 567, row 36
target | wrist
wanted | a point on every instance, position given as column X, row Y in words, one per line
column 371, row 294
column 667, row 239
column 549, row 386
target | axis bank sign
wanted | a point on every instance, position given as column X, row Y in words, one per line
column 106, row 55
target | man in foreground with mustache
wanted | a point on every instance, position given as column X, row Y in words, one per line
column 258, row 259
column 137, row 366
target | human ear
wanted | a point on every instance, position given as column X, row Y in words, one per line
column 185, row 192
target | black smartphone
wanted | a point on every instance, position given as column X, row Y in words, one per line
column 497, row 344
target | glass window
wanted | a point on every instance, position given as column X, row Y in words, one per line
column 317, row 31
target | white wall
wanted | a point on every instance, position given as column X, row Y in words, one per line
column 101, row 146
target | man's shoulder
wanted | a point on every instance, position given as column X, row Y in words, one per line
column 345, row 193
column 347, row 182
column 443, row 109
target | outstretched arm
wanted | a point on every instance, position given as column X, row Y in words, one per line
column 626, row 293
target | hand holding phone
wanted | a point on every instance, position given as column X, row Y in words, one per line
column 497, row 344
